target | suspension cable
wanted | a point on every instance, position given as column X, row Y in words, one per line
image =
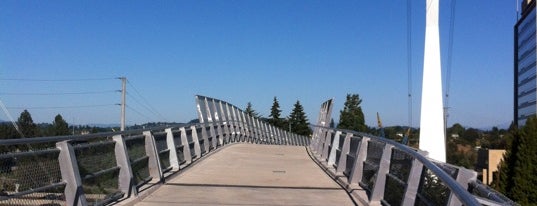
column 409, row 58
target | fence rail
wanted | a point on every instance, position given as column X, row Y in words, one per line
column 381, row 171
column 98, row 169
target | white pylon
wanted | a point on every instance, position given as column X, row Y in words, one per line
column 432, row 137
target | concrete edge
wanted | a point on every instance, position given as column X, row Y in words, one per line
column 356, row 194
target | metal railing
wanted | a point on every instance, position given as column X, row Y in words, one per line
column 101, row 168
column 381, row 171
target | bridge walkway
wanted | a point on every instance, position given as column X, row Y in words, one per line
column 249, row 174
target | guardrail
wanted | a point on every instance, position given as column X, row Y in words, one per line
column 379, row 171
column 102, row 168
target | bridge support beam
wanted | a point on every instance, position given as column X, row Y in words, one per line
column 154, row 161
column 358, row 168
column 186, row 146
column 342, row 163
column 333, row 150
column 413, row 181
column 195, row 138
column 174, row 160
column 74, row 194
column 126, row 178
column 384, row 167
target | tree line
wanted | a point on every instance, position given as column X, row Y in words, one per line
column 297, row 121
column 58, row 127
column 27, row 127
column 351, row 117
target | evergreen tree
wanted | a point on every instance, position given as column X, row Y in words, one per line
column 352, row 117
column 275, row 113
column 7, row 131
column 250, row 111
column 298, row 121
column 518, row 169
column 59, row 126
column 27, row 125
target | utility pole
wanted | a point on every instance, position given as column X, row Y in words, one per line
column 123, row 101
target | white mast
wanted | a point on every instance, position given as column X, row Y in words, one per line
column 432, row 137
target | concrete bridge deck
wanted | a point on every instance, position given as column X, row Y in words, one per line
column 249, row 174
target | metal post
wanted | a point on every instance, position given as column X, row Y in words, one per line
column 154, row 161
column 186, row 146
column 384, row 167
column 413, row 181
column 326, row 145
column 358, row 168
column 342, row 164
column 333, row 151
column 195, row 138
column 126, row 178
column 74, row 194
column 174, row 160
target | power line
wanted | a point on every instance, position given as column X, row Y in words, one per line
column 136, row 111
column 149, row 106
column 143, row 105
column 56, row 93
column 64, row 107
column 449, row 56
column 409, row 58
column 54, row 80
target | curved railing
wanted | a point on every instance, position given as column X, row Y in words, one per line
column 381, row 171
column 98, row 169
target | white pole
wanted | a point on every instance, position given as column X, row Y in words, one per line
column 432, row 138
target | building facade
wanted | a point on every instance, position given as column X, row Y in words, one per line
column 487, row 164
column 525, row 95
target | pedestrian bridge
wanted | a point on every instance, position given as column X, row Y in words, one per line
column 231, row 158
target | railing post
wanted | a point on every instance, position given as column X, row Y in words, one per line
column 212, row 134
column 154, row 161
column 335, row 145
column 226, row 133
column 272, row 138
column 413, row 181
column 205, row 136
column 174, row 161
column 289, row 138
column 358, row 168
column 265, row 133
column 186, row 145
column 195, row 138
column 384, row 167
column 279, row 137
column 326, row 145
column 259, row 131
column 224, row 122
column 218, row 123
column 342, row 163
column 126, row 178
column 320, row 145
column 74, row 194
column 464, row 176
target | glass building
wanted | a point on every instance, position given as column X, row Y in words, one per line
column 524, row 65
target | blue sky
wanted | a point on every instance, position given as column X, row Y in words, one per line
column 249, row 51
